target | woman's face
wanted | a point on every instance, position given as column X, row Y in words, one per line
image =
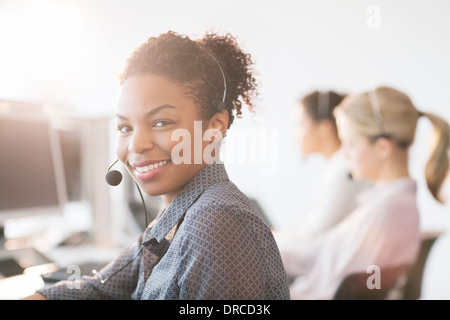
column 150, row 109
column 307, row 131
column 361, row 154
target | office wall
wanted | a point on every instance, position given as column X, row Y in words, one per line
column 297, row 46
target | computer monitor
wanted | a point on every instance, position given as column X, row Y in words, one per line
column 32, row 178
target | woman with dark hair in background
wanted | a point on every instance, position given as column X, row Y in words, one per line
column 210, row 241
column 316, row 133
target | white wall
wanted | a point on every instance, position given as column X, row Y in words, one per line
column 297, row 46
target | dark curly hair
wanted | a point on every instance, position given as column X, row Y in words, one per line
column 195, row 65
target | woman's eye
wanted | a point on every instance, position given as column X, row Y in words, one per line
column 124, row 129
column 160, row 123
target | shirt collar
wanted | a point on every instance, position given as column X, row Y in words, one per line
column 405, row 184
column 209, row 175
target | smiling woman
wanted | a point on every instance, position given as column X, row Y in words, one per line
column 210, row 241
column 151, row 108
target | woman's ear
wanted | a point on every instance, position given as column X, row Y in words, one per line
column 385, row 147
column 219, row 121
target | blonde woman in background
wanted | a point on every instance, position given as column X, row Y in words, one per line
column 376, row 128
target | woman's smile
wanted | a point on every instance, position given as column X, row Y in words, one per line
column 148, row 169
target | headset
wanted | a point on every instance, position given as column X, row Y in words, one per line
column 221, row 104
column 114, row 178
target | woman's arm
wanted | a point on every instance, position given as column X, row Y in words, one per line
column 122, row 275
column 35, row 296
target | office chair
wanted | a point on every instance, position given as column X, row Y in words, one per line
column 413, row 286
column 354, row 286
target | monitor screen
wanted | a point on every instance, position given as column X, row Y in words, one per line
column 31, row 169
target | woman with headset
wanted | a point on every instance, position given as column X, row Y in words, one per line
column 376, row 128
column 178, row 98
column 316, row 133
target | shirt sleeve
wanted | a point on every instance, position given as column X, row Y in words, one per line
column 121, row 277
column 221, row 257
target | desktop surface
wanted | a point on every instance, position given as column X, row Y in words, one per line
column 23, row 271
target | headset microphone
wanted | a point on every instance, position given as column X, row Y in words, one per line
column 113, row 177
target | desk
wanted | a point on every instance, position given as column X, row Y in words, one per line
column 16, row 287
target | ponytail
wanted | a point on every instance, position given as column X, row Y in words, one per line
column 397, row 118
column 437, row 167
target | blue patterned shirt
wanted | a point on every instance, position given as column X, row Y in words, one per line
column 210, row 243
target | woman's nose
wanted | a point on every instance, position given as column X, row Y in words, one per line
column 140, row 141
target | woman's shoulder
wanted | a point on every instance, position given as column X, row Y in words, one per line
column 395, row 202
column 224, row 194
column 225, row 204
column 401, row 192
